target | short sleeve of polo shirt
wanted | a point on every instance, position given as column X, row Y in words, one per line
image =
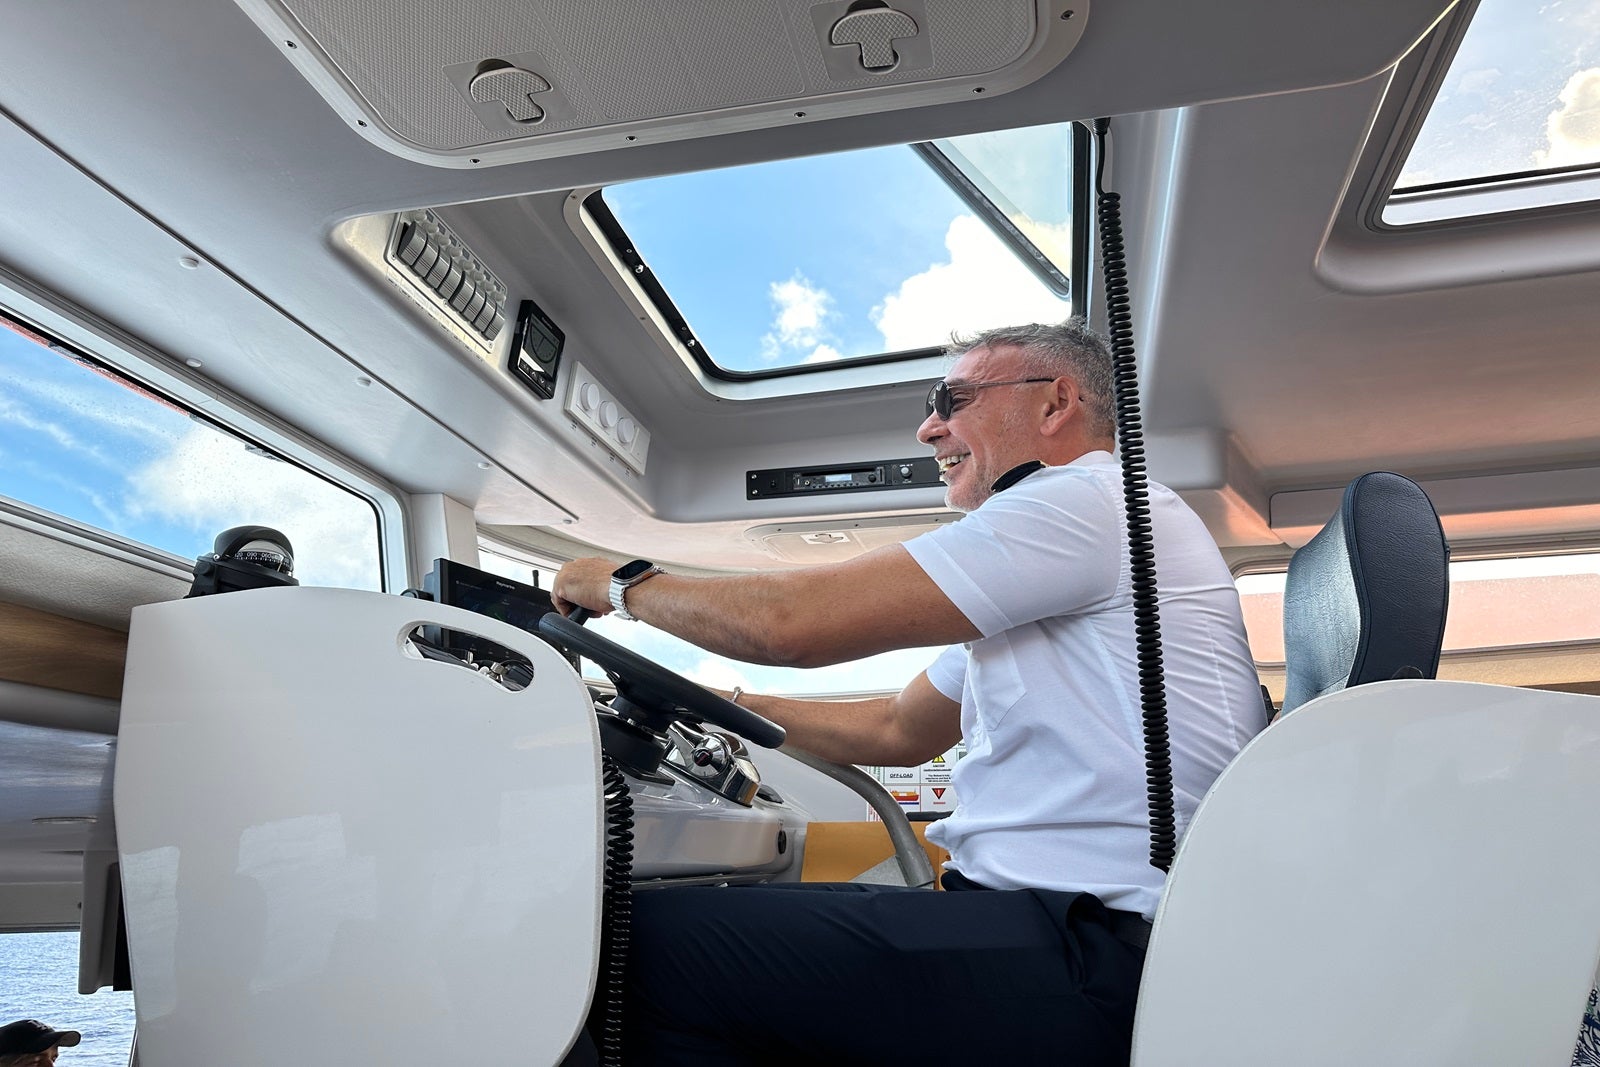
column 1050, row 545
column 948, row 673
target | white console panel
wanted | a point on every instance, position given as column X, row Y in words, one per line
column 315, row 824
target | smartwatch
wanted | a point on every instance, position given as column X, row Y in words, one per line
column 626, row 577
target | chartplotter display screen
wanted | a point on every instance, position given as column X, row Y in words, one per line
column 488, row 594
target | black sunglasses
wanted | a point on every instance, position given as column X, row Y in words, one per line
column 947, row 401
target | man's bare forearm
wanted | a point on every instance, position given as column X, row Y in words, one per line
column 886, row 731
column 845, row 731
column 785, row 618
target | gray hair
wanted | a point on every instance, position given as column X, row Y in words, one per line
column 1054, row 349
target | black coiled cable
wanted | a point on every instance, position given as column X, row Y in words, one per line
column 617, row 903
column 1136, row 499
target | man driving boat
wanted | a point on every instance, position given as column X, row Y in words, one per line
column 1036, row 954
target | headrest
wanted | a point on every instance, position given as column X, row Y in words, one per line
column 1365, row 599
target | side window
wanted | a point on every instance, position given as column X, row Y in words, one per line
column 85, row 442
column 1528, row 604
column 886, row 672
column 41, row 982
column 1261, row 598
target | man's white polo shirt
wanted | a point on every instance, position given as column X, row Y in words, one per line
column 1051, row 792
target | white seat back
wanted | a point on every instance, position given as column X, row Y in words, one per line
column 1403, row 873
column 334, row 852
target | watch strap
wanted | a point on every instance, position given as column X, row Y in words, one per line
column 617, row 593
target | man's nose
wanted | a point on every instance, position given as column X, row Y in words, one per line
column 931, row 429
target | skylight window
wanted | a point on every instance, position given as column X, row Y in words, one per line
column 1516, row 121
column 863, row 256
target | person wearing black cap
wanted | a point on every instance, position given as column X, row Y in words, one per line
column 29, row 1042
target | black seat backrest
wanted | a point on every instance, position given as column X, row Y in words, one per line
column 1365, row 599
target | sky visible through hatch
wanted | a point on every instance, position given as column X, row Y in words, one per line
column 1523, row 93
column 812, row 261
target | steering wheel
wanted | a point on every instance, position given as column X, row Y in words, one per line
column 653, row 688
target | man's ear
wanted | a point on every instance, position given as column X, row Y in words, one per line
column 1063, row 408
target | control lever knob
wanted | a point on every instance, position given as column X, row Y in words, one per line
column 709, row 757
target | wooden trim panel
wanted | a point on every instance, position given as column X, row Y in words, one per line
column 38, row 648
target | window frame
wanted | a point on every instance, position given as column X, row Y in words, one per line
column 1421, row 76
column 636, row 270
column 83, row 337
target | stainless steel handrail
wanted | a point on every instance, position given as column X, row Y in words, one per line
column 915, row 866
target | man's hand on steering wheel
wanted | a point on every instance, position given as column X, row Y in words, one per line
column 584, row 583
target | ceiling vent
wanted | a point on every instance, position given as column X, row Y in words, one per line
column 484, row 82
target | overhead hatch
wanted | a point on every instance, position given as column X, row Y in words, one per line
column 498, row 81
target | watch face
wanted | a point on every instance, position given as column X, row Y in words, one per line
column 629, row 571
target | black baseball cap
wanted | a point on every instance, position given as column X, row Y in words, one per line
column 31, row 1035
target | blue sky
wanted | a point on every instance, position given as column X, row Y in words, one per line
column 84, row 446
column 811, row 260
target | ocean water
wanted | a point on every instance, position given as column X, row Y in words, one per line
column 39, row 980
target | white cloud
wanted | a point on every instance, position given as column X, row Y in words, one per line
column 20, row 415
column 1573, row 129
column 982, row 285
column 209, row 482
column 801, row 309
column 800, row 322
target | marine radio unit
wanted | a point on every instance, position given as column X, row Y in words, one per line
column 842, row 477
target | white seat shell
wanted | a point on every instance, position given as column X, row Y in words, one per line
column 1407, row 872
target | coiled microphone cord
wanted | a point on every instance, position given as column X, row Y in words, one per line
column 617, row 907
column 1136, row 499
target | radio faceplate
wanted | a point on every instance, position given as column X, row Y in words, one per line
column 842, row 478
